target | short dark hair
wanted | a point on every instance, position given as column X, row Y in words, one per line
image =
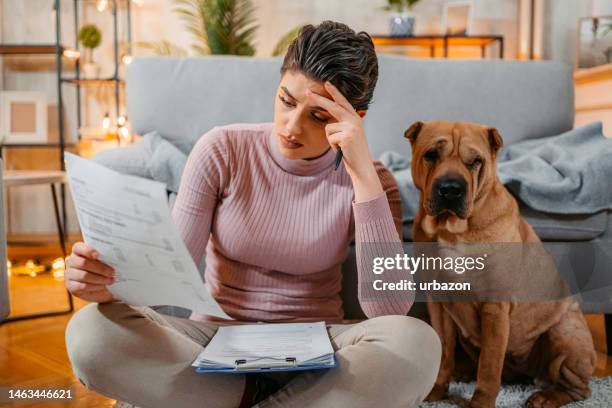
column 333, row 52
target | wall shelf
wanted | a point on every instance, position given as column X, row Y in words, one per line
column 92, row 81
column 595, row 74
column 37, row 145
column 57, row 49
column 30, row 49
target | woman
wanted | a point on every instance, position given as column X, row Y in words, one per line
column 276, row 220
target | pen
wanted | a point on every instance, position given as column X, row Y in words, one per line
column 338, row 157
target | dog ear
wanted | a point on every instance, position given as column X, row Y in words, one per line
column 495, row 139
column 413, row 131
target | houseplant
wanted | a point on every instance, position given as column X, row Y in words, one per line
column 401, row 18
column 90, row 37
column 217, row 27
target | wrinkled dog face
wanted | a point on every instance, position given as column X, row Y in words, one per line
column 453, row 164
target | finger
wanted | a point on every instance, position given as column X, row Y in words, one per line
column 338, row 96
column 100, row 296
column 337, row 111
column 335, row 127
column 79, row 287
column 335, row 140
column 89, row 265
column 80, row 275
column 82, row 249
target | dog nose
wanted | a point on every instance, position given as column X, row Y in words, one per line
column 451, row 188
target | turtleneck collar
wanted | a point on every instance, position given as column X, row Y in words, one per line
column 299, row 167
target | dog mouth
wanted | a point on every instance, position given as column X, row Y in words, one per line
column 446, row 213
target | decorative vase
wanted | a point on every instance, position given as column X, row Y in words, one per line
column 91, row 70
column 401, row 24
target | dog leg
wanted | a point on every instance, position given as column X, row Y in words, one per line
column 445, row 327
column 495, row 330
column 466, row 361
column 572, row 363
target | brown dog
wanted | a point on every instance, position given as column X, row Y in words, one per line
column 463, row 202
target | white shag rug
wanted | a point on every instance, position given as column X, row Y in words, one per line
column 510, row 396
column 514, row 396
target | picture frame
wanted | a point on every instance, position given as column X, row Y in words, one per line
column 23, row 117
column 457, row 17
column 594, row 42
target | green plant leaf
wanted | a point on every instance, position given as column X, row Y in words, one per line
column 219, row 26
column 162, row 48
column 190, row 12
column 399, row 5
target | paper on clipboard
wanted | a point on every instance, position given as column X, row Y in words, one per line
column 267, row 346
column 127, row 220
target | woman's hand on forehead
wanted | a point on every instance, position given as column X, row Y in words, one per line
column 348, row 134
column 339, row 107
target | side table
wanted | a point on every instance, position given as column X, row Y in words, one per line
column 444, row 41
column 12, row 178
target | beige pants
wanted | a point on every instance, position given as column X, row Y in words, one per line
column 140, row 356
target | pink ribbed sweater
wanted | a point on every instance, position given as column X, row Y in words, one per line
column 276, row 230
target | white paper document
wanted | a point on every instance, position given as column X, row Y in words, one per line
column 127, row 220
column 267, row 345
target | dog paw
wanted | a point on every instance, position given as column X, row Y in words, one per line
column 462, row 403
column 437, row 393
column 482, row 400
column 542, row 399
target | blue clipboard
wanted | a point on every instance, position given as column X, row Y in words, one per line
column 288, row 367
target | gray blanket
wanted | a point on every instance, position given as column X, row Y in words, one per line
column 570, row 173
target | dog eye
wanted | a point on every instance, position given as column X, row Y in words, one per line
column 431, row 155
column 475, row 163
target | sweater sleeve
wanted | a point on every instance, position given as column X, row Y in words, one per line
column 378, row 234
column 203, row 180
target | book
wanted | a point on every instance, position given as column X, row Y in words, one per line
column 265, row 347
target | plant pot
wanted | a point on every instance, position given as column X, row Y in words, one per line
column 91, row 70
column 401, row 24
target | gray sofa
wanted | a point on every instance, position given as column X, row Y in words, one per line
column 181, row 98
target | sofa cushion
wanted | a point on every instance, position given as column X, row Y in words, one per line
column 133, row 159
column 182, row 98
column 565, row 227
column 523, row 100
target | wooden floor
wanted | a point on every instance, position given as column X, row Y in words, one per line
column 33, row 353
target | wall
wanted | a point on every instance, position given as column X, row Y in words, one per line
column 277, row 17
